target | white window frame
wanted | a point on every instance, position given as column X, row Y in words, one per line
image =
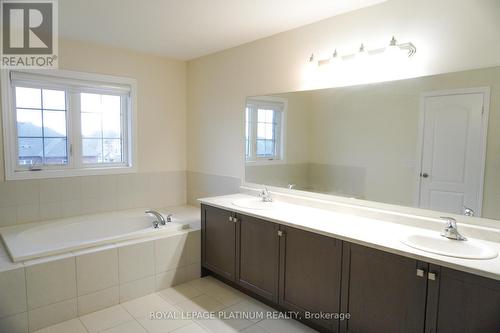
column 90, row 82
column 270, row 102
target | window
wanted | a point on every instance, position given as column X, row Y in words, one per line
column 264, row 130
column 66, row 124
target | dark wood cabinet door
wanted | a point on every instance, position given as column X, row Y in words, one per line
column 382, row 292
column 257, row 260
column 462, row 303
column 310, row 274
column 218, row 241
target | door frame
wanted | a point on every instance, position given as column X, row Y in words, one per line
column 486, row 91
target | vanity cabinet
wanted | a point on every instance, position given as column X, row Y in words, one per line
column 257, row 256
column 218, row 241
column 459, row 302
column 382, row 292
column 310, row 274
column 302, row 271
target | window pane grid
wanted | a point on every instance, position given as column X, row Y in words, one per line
column 263, row 131
column 266, row 133
column 50, row 146
column 101, row 118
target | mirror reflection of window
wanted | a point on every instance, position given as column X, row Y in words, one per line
column 263, row 130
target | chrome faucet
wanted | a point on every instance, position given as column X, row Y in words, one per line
column 468, row 211
column 450, row 230
column 160, row 219
column 266, row 195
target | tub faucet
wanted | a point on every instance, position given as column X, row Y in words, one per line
column 450, row 230
column 160, row 218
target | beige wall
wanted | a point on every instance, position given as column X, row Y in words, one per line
column 161, row 144
column 218, row 84
column 161, row 99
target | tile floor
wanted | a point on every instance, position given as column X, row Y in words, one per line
column 175, row 308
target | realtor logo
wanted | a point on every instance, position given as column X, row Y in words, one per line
column 29, row 34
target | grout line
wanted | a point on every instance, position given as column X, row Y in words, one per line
column 98, row 290
column 119, row 277
column 81, row 322
column 26, row 292
column 76, row 287
column 173, row 305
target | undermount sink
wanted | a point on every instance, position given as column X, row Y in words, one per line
column 254, row 203
column 469, row 249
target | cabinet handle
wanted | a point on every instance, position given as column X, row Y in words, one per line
column 280, row 233
column 230, row 219
column 431, row 276
column 420, row 272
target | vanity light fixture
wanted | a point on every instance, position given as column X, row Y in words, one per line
column 394, row 48
column 362, row 54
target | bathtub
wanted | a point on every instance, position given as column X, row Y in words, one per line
column 41, row 239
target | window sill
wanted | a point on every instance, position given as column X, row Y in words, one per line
column 43, row 174
column 264, row 162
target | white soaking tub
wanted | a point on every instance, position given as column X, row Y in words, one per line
column 35, row 240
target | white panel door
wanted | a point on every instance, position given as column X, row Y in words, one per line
column 452, row 152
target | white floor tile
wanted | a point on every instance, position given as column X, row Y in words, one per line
column 284, row 326
column 225, row 325
column 202, row 303
column 218, row 290
column 73, row 326
column 191, row 328
column 107, row 318
column 255, row 310
column 255, row 329
column 163, row 325
column 180, row 293
column 142, row 307
column 129, row 327
column 201, row 295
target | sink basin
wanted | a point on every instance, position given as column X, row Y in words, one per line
column 469, row 249
column 254, row 203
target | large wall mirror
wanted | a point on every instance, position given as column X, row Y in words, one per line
column 429, row 142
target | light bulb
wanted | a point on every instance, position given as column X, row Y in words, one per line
column 336, row 60
column 393, row 51
column 362, row 54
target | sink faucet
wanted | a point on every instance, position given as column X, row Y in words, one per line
column 450, row 230
column 161, row 220
column 468, row 211
column 266, row 195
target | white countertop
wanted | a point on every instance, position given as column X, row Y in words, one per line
column 365, row 231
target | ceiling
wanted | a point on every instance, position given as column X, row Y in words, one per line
column 187, row 29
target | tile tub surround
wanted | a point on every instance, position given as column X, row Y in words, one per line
column 47, row 291
column 45, row 238
column 374, row 232
column 24, row 201
column 202, row 185
column 202, row 295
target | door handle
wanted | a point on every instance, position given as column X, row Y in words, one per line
column 424, row 175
